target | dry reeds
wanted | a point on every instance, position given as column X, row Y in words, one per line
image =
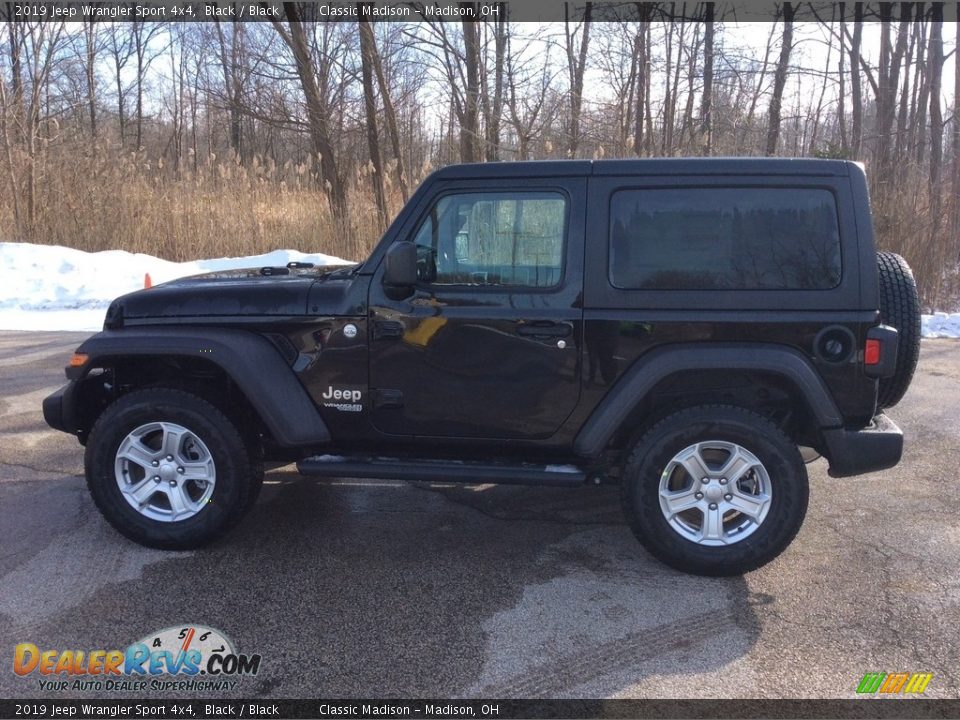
column 208, row 207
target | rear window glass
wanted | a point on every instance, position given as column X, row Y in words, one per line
column 724, row 238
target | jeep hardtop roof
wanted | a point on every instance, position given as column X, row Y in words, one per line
column 647, row 166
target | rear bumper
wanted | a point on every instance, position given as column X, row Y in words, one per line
column 854, row 452
column 59, row 409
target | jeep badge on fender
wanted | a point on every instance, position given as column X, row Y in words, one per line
column 690, row 329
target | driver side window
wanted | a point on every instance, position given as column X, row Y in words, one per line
column 493, row 239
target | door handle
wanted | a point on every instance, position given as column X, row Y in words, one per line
column 545, row 328
column 387, row 330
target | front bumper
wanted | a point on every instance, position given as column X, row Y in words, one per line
column 853, row 452
column 59, row 409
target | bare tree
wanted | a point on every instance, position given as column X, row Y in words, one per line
column 470, row 120
column 576, row 64
column 120, row 45
column 528, row 100
column 856, row 92
column 780, row 79
column 841, row 78
column 706, row 103
column 936, row 131
column 91, row 53
column 642, row 53
column 231, row 65
column 370, row 105
column 492, row 103
column 143, row 34
column 38, row 45
column 318, row 117
column 956, row 145
column 7, row 109
column 888, row 76
column 391, row 118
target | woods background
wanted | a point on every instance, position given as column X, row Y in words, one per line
column 194, row 139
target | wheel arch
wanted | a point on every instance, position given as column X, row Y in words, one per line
column 249, row 362
column 633, row 400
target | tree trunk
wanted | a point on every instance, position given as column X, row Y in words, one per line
column 370, row 105
column 936, row 144
column 706, row 105
column 90, row 35
column 576, row 63
column 470, row 125
column 889, row 77
column 121, row 112
column 16, row 67
column 955, row 255
column 391, row 118
column 780, row 80
column 841, row 72
column 759, row 87
column 317, row 115
column 642, row 52
column 137, row 28
column 10, row 167
column 495, row 109
column 823, row 91
column 901, row 136
column 229, row 63
column 856, row 91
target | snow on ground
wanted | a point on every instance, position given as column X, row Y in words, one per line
column 941, row 325
column 50, row 287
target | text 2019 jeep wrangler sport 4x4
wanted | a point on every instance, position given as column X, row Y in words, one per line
column 687, row 328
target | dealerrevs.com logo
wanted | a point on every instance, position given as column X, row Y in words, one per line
column 187, row 657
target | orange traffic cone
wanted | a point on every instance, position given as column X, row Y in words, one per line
column 147, row 282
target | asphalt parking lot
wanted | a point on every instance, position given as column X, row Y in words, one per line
column 410, row 590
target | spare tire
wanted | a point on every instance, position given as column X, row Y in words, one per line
column 899, row 308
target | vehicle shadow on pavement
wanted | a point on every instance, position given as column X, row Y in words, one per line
column 489, row 591
column 360, row 589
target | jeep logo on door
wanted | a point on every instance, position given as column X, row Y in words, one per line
column 344, row 399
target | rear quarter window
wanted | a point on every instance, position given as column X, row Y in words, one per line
column 745, row 238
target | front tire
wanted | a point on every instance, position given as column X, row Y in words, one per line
column 715, row 490
column 168, row 470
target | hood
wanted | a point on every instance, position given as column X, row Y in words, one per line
column 247, row 292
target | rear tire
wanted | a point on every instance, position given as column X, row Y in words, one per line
column 168, row 470
column 899, row 308
column 663, row 502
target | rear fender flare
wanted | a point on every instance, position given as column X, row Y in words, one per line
column 653, row 367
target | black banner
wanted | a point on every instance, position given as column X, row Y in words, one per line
column 500, row 709
column 443, row 11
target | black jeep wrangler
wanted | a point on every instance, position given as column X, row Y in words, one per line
column 691, row 329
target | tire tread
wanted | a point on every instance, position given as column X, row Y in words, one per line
column 899, row 308
column 740, row 562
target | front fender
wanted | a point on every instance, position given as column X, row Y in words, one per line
column 251, row 361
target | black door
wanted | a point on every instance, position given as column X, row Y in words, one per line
column 487, row 345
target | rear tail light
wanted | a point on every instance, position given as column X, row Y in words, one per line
column 871, row 352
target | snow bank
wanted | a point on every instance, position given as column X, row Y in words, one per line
column 49, row 287
column 941, row 325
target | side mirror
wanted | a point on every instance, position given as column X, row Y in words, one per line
column 400, row 273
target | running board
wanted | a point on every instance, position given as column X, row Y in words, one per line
column 441, row 471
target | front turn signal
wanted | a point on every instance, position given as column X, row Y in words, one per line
column 79, row 360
